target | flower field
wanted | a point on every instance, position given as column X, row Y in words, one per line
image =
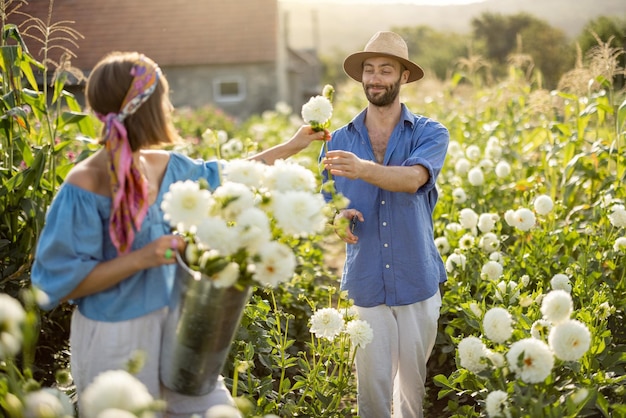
column 531, row 223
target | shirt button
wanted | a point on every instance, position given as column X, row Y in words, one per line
column 386, row 245
column 384, row 223
column 387, row 266
column 382, row 203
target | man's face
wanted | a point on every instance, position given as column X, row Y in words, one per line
column 382, row 77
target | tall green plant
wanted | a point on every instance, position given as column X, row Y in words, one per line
column 39, row 124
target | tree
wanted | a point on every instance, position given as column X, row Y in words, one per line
column 435, row 51
column 548, row 46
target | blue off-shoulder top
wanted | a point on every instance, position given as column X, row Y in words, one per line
column 75, row 239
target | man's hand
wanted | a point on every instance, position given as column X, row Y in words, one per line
column 344, row 164
column 346, row 224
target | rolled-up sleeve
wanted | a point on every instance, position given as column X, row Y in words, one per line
column 430, row 153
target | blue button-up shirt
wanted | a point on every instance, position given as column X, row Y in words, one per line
column 395, row 261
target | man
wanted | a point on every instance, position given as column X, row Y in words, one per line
column 386, row 162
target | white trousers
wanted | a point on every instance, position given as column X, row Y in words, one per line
column 391, row 370
column 100, row 346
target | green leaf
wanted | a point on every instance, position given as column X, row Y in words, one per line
column 70, row 117
column 603, row 404
column 621, row 116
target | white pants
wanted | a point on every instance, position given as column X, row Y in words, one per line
column 100, row 346
column 392, row 368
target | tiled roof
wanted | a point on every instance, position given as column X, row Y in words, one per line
column 172, row 32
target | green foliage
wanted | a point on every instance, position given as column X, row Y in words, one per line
column 42, row 133
column 576, row 158
column 606, row 28
column 433, row 50
column 504, row 36
column 568, row 145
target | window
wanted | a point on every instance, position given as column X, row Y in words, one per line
column 231, row 89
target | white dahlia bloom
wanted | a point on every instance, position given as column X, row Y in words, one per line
column 360, row 332
column 12, row 316
column 185, row 205
column 299, row 213
column 560, row 281
column 620, row 245
column 496, row 404
column 468, row 218
column 557, row 306
column 222, row 411
column 540, row 329
column 248, row 172
column 114, row 389
column 509, row 217
column 327, row 323
column 442, row 244
column 617, row 217
column 459, row 195
column 462, row 167
column 233, row 199
column 489, row 242
column 507, row 289
column 214, row 233
column 226, row 277
column 318, row 110
column 493, row 148
column 277, row 264
column 487, row 221
column 472, row 354
column 252, row 229
column 286, row 176
column 47, row 402
column 455, row 262
column 473, row 152
column 524, row 219
column 492, row 270
column 569, row 340
column 543, row 204
column 466, row 241
column 497, row 325
column 531, row 360
column 497, row 256
column 476, row 177
column 503, row 169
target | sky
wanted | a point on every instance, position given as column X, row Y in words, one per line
column 424, row 2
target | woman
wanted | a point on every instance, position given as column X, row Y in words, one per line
column 106, row 247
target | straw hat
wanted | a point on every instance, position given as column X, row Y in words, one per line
column 387, row 44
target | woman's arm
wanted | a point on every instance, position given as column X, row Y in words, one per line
column 301, row 139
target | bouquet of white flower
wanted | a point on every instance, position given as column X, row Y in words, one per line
column 235, row 234
column 237, row 238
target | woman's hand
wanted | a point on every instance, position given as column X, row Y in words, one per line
column 162, row 250
column 108, row 273
column 305, row 135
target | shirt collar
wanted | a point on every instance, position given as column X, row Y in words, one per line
column 358, row 122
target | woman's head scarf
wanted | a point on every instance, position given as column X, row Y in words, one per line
column 129, row 188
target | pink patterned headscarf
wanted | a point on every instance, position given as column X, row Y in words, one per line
column 129, row 188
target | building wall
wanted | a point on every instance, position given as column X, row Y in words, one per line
column 196, row 86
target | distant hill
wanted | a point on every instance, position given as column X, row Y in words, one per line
column 335, row 26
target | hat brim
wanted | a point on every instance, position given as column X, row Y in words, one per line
column 353, row 65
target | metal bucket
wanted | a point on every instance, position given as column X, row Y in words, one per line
column 199, row 330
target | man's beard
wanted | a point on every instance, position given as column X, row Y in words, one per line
column 384, row 99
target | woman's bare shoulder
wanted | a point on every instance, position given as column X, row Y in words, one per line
column 91, row 174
